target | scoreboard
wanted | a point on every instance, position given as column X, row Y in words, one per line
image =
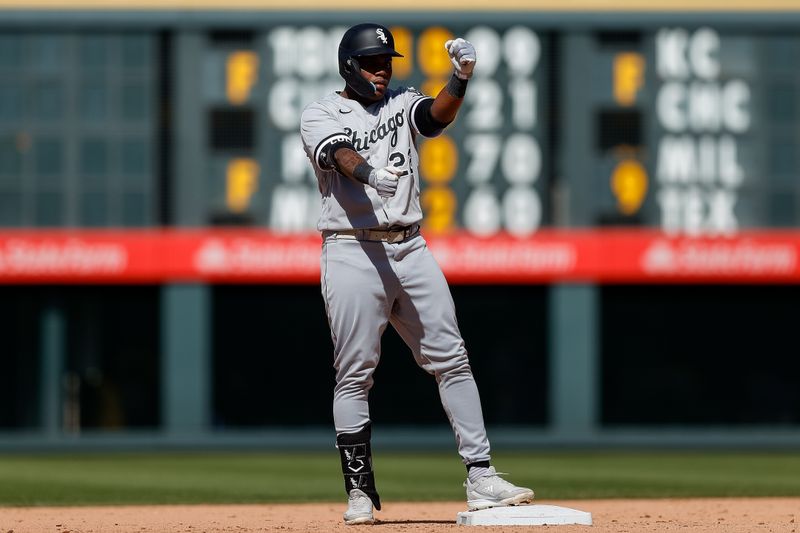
column 721, row 103
column 685, row 129
column 78, row 128
column 690, row 129
column 485, row 175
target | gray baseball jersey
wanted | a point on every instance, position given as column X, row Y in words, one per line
column 368, row 284
column 383, row 134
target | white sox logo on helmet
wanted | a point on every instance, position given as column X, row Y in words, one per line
column 381, row 35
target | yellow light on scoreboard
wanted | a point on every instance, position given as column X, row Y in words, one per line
column 439, row 204
column 432, row 86
column 629, row 185
column 241, row 74
column 403, row 43
column 628, row 77
column 433, row 58
column 241, row 182
column 438, row 160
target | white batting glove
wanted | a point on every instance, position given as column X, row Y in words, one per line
column 462, row 56
column 384, row 180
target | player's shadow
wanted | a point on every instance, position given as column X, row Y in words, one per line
column 402, row 522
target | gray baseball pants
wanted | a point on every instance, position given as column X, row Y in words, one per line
column 369, row 284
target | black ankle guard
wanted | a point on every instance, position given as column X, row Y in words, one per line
column 356, row 454
column 479, row 464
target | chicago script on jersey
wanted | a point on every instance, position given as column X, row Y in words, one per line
column 384, row 129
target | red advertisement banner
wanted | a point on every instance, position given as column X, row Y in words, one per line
column 255, row 256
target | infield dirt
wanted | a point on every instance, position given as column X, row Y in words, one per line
column 729, row 515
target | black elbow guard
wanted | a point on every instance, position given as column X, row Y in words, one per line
column 327, row 148
column 424, row 122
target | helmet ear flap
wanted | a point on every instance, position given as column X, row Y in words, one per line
column 351, row 72
column 353, row 65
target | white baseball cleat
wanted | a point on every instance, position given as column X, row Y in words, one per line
column 359, row 509
column 494, row 491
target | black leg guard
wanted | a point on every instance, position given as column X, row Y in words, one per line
column 356, row 454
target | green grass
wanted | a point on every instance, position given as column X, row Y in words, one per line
column 83, row 479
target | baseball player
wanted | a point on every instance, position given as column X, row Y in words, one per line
column 376, row 267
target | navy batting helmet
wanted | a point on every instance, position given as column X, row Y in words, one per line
column 366, row 39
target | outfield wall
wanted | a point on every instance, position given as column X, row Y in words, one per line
column 617, row 209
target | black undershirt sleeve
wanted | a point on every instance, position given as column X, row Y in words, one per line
column 426, row 124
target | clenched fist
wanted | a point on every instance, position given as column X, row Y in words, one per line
column 462, row 55
column 384, row 180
